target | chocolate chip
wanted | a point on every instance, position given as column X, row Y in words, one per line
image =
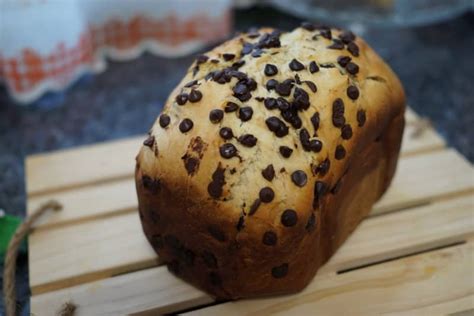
column 231, row 107
column 346, row 132
column 277, row 126
column 299, row 178
column 269, row 238
column 295, row 65
column 268, row 173
column 340, row 152
column 301, row 99
column 217, row 233
column 270, row 70
column 157, row 241
column 228, row 151
column 215, row 279
column 218, row 76
column 284, row 88
column 182, row 98
column 297, row 79
column 337, row 44
column 243, row 97
column 228, row 57
column 151, row 185
column 270, row 40
column 353, row 49
column 164, row 120
column 201, row 59
column 186, row 125
column 286, row 151
column 352, row 68
column 266, row 195
column 289, row 218
column 150, row 141
column 216, row 115
column 326, row 33
column 338, row 119
column 315, row 145
column 327, row 65
column 320, row 189
column 246, row 48
column 311, row 85
column 280, row 271
column 271, row 84
column 248, row 140
column 324, row 166
column 191, row 164
column 254, row 207
column 315, row 121
column 236, row 74
column 238, row 64
column 313, row 67
column 343, row 60
column 253, row 33
column 209, row 259
column 311, row 224
column 257, row 53
column 283, row 104
column 245, row 113
column 308, row 26
column 195, row 70
column 296, row 122
column 347, row 37
column 260, row 99
column 270, row 103
column 304, row 138
column 218, row 181
column 240, row 89
column 361, row 118
column 240, row 224
column 226, row 133
column 353, row 92
column 190, row 84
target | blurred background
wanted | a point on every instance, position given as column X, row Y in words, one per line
column 75, row 72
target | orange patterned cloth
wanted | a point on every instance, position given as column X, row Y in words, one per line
column 29, row 71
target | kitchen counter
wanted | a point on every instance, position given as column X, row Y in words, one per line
column 435, row 64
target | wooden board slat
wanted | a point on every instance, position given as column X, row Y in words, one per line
column 463, row 306
column 377, row 238
column 75, row 254
column 147, row 290
column 87, row 203
column 424, row 178
column 71, row 168
column 427, row 279
column 50, row 173
column 425, row 141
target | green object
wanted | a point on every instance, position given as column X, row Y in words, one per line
column 8, row 226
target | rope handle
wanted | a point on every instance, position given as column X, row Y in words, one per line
column 10, row 260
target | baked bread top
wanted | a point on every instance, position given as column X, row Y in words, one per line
column 264, row 125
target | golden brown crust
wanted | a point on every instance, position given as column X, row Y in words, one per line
column 207, row 215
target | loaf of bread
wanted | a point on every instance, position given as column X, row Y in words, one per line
column 266, row 157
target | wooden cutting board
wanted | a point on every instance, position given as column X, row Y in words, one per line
column 412, row 255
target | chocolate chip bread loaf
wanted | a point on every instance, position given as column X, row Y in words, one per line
column 267, row 156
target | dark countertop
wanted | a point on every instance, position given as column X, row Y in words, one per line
column 435, row 64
